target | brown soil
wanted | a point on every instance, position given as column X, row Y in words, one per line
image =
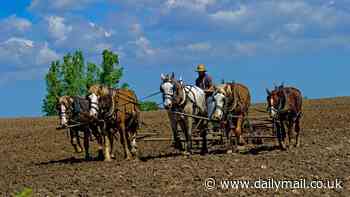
column 35, row 155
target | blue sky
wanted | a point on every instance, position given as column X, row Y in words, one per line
column 304, row 43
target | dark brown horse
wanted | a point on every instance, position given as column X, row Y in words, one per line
column 74, row 110
column 285, row 107
column 119, row 111
column 230, row 102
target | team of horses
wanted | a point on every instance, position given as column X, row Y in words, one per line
column 104, row 112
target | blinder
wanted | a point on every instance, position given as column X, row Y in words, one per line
column 223, row 108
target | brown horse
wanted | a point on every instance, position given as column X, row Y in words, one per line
column 285, row 107
column 118, row 109
column 74, row 111
column 230, row 102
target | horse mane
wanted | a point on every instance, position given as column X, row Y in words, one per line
column 66, row 100
column 94, row 89
column 224, row 89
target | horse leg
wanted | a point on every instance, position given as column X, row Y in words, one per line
column 204, row 132
column 297, row 131
column 188, row 133
column 99, row 136
column 290, row 132
column 111, row 139
column 107, row 144
column 133, row 142
column 128, row 141
column 173, row 122
column 283, row 136
column 124, row 140
column 80, row 148
column 87, row 135
column 74, row 136
column 238, row 131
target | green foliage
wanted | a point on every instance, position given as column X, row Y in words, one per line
column 111, row 70
column 92, row 74
column 26, row 192
column 125, row 86
column 73, row 77
column 54, row 88
column 73, row 74
column 148, row 106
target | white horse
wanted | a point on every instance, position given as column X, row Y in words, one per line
column 186, row 99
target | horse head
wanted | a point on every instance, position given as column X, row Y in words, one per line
column 65, row 109
column 94, row 95
column 275, row 100
column 216, row 103
column 172, row 91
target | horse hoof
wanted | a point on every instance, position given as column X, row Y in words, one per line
column 133, row 151
column 283, row 147
column 229, row 151
column 88, row 158
column 204, row 152
column 128, row 158
column 185, row 153
column 113, row 156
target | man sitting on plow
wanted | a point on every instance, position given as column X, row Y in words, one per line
column 204, row 81
column 229, row 104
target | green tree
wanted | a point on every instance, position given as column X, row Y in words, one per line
column 111, row 70
column 73, row 74
column 73, row 77
column 125, row 86
column 92, row 74
column 148, row 106
column 54, row 89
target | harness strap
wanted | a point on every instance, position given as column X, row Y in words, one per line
column 194, row 102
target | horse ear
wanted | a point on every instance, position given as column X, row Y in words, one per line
column 275, row 85
column 268, row 92
column 162, row 77
column 172, row 76
column 282, row 85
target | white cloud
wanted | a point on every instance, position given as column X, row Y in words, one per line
column 24, row 53
column 245, row 49
column 136, row 28
column 199, row 47
column 20, row 42
column 230, row 15
column 59, row 5
column 294, row 27
column 199, row 5
column 144, row 46
column 57, row 27
column 46, row 55
column 20, row 24
column 99, row 30
column 102, row 46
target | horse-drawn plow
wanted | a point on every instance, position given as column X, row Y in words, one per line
column 256, row 129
